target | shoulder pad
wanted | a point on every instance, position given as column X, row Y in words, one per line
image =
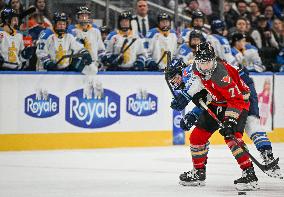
column 173, row 32
column 220, row 75
column 250, row 46
column 184, row 49
column 71, row 29
column 221, row 39
column 45, row 34
column 152, row 32
column 111, row 34
column 185, row 31
column 234, row 51
column 94, row 26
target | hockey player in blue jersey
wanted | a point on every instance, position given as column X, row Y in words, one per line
column 246, row 54
column 198, row 21
column 220, row 43
column 253, row 130
column 186, row 50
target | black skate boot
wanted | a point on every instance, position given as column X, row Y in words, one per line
column 195, row 177
column 248, row 181
column 267, row 157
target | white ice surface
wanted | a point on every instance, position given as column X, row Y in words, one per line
column 124, row 172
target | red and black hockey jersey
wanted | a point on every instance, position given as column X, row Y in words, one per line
column 227, row 89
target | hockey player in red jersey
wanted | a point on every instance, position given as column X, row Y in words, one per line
column 230, row 103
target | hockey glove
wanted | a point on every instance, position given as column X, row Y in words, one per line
column 229, row 128
column 28, row 52
column 49, row 65
column 115, row 60
column 152, row 65
column 86, row 58
column 200, row 95
column 188, row 121
column 181, row 101
column 138, row 65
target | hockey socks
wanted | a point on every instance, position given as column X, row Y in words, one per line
column 241, row 157
column 261, row 141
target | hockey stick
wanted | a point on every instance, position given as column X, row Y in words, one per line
column 27, row 12
column 168, row 53
column 261, row 166
column 126, row 48
column 69, row 56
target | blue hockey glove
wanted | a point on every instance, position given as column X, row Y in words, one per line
column 229, row 129
column 188, row 121
column 180, row 102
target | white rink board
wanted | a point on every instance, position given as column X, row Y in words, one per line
column 15, row 88
column 264, row 88
column 279, row 101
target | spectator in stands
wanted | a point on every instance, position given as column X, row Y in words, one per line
column 2, row 5
column 158, row 41
column 191, row 6
column 246, row 54
column 232, row 15
column 265, row 42
column 269, row 14
column 262, row 35
column 278, row 32
column 125, row 50
column 278, row 8
column 255, row 12
column 16, row 5
column 142, row 22
column 198, row 21
column 42, row 9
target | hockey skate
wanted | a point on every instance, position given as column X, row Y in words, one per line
column 248, row 181
column 267, row 157
column 195, row 177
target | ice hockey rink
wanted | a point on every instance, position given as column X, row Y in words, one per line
column 125, row 172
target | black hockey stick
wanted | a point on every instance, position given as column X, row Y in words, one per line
column 125, row 49
column 69, row 56
column 168, row 53
column 261, row 166
column 27, row 12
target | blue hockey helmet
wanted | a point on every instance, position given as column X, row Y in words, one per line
column 217, row 26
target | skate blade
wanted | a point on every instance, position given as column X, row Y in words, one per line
column 193, row 184
column 247, row 186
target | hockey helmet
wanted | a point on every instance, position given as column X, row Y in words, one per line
column 217, row 26
column 83, row 10
column 164, row 16
column 205, row 58
column 60, row 16
column 175, row 69
column 7, row 14
column 195, row 34
column 105, row 29
column 237, row 36
column 124, row 15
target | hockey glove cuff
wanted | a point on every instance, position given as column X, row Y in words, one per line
column 188, row 121
column 200, row 95
column 180, row 102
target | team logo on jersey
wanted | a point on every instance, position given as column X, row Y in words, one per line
column 41, row 104
column 226, row 79
column 92, row 107
column 142, row 103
